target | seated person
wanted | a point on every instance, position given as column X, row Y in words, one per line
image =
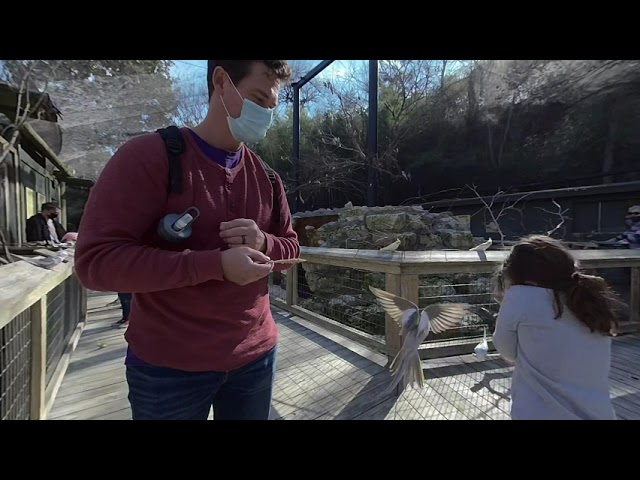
column 43, row 226
column 632, row 234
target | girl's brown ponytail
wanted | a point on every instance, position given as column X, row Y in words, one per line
column 592, row 300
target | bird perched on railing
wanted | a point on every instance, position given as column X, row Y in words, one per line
column 392, row 247
column 415, row 327
column 482, row 247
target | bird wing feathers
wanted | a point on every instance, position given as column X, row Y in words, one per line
column 444, row 316
column 406, row 365
column 394, row 305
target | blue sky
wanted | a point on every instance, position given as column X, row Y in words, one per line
column 194, row 71
column 186, row 69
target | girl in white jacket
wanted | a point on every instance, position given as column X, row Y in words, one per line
column 554, row 324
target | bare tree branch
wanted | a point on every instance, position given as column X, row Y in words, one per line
column 193, row 102
column 560, row 213
column 506, row 206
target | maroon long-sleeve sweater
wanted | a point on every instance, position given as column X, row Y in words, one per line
column 184, row 314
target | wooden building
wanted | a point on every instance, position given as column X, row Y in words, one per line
column 31, row 174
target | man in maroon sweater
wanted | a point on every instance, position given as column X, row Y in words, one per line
column 200, row 329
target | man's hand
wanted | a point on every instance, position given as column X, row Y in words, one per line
column 243, row 265
column 243, row 232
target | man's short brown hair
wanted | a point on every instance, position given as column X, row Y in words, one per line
column 239, row 69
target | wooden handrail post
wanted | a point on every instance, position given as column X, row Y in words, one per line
column 292, row 285
column 38, row 314
column 407, row 286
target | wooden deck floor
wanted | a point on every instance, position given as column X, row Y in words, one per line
column 323, row 376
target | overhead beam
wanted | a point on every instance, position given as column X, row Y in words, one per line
column 311, row 74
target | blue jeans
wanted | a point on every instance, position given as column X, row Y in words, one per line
column 159, row 393
column 125, row 301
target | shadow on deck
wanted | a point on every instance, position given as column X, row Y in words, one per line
column 323, row 376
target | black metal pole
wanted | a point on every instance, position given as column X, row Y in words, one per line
column 296, row 145
column 372, row 137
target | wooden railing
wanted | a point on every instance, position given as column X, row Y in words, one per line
column 402, row 274
column 42, row 314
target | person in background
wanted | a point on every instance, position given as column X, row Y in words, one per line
column 44, row 226
column 555, row 323
column 631, row 236
column 125, row 302
column 632, row 220
column 201, row 332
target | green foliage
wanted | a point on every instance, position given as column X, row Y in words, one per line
column 446, row 130
column 276, row 148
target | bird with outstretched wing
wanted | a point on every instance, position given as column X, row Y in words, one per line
column 415, row 326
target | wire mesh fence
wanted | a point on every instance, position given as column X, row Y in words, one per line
column 63, row 315
column 55, row 328
column 15, row 368
column 342, row 294
column 278, row 285
column 476, row 289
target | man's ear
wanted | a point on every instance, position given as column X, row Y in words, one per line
column 219, row 80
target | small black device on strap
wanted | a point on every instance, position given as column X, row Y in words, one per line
column 175, row 228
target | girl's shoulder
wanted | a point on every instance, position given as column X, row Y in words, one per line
column 527, row 298
column 527, row 291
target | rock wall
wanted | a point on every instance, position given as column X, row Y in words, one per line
column 377, row 227
column 342, row 294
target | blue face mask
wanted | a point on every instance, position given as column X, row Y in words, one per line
column 252, row 124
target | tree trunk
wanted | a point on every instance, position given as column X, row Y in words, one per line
column 609, row 148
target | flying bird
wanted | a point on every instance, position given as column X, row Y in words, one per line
column 482, row 247
column 415, row 326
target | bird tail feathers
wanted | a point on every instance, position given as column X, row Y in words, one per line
column 406, row 367
column 414, row 375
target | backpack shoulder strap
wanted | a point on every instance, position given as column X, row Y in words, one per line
column 271, row 173
column 175, row 147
